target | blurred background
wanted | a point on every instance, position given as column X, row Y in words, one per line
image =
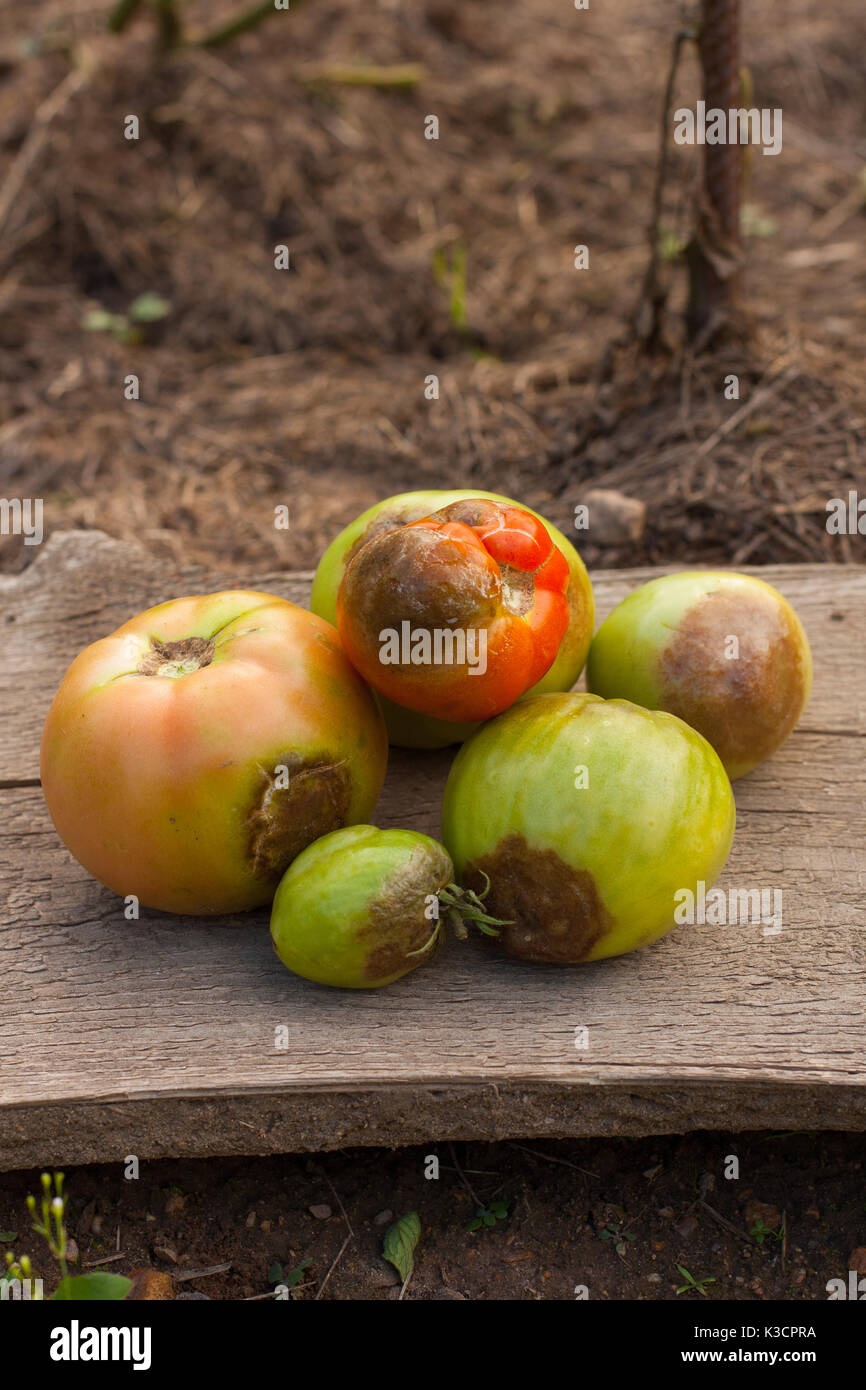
column 410, row 256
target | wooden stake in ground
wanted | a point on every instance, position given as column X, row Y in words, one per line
column 714, row 252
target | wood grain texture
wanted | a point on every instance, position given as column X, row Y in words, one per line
column 158, row 1037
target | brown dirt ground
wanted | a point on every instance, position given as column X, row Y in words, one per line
column 307, row 388
column 621, row 1227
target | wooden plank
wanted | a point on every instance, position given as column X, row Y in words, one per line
column 158, row 1037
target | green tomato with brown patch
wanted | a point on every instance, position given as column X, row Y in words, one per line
column 409, row 729
column 362, row 907
column 725, row 652
column 588, row 817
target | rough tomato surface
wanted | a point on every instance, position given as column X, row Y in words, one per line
column 191, row 755
column 406, row 727
column 589, row 817
column 458, row 614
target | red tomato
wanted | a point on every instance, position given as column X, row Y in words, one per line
column 407, row 728
column 459, row 614
column 190, row 756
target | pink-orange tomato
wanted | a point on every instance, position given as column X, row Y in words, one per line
column 191, row 755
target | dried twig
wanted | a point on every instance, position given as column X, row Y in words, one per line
column 274, row 1293
column 463, row 1178
column 717, row 1216
column 37, row 135
column 338, row 1199
column 200, row 1273
column 321, row 1288
column 551, row 1158
column 367, row 74
column 647, row 315
column 759, row 398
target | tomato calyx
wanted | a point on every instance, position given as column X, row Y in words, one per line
column 461, row 905
column 179, row 658
column 464, row 905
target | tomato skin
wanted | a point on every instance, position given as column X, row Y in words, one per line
column 484, row 575
column 588, row 816
column 164, row 785
column 667, row 646
column 407, row 728
column 354, row 909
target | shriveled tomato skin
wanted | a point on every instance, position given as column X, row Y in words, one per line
column 408, row 728
column 588, row 816
column 193, row 782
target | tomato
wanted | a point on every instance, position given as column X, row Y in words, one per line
column 725, row 652
column 406, row 727
column 457, row 614
column 588, row 816
column 359, row 908
column 362, row 907
column 188, row 757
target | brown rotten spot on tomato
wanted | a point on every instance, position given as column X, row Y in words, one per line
column 458, row 614
column 550, row 911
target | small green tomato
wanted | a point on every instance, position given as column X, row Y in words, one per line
column 361, row 907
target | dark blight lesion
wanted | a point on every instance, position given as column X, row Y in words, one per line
column 284, row 819
column 381, row 524
column 413, row 575
column 744, row 705
column 399, row 925
column 552, row 912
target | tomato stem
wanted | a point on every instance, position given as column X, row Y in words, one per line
column 463, row 905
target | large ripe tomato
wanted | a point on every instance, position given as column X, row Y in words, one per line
column 190, row 756
column 407, row 728
column 588, row 816
column 459, row 614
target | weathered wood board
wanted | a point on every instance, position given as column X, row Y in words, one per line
column 158, row 1037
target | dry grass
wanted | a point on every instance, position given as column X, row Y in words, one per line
column 307, row 387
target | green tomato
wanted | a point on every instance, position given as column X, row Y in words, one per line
column 359, row 907
column 725, row 652
column 407, row 729
column 588, row 816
